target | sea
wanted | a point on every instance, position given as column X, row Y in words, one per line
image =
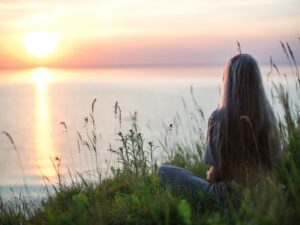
column 45, row 110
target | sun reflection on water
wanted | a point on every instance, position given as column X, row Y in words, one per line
column 41, row 77
column 44, row 147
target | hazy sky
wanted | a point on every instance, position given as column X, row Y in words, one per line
column 145, row 32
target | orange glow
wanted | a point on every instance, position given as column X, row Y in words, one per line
column 40, row 43
column 106, row 33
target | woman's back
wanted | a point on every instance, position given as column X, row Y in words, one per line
column 242, row 138
column 242, row 133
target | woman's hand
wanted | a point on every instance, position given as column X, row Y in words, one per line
column 213, row 174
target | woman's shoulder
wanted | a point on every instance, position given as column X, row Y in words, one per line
column 216, row 115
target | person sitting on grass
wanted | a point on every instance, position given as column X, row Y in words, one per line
column 242, row 137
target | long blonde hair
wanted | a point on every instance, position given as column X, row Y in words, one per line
column 248, row 137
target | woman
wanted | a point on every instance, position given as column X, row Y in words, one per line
column 242, row 138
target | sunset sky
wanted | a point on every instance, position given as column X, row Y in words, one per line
column 82, row 33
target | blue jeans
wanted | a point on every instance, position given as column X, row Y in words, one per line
column 181, row 180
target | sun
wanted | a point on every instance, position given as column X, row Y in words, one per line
column 40, row 43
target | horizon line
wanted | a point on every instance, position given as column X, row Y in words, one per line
column 126, row 66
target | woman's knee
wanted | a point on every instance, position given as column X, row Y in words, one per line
column 162, row 172
column 165, row 174
column 167, row 169
column 162, row 169
column 169, row 174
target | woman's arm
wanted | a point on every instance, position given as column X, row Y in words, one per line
column 211, row 156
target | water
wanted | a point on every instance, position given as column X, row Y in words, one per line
column 35, row 101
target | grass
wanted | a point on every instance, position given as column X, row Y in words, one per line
column 132, row 193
